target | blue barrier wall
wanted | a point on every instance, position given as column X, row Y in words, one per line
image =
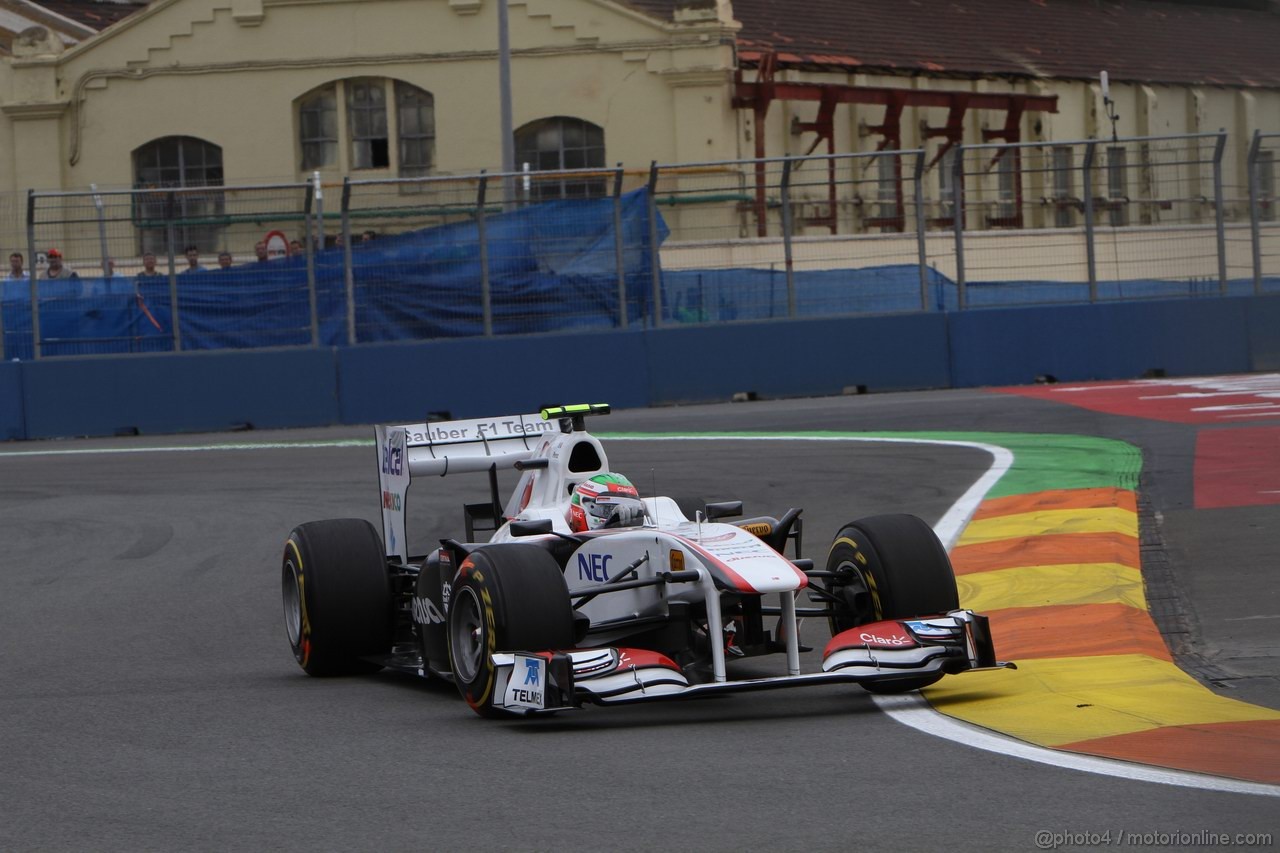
column 798, row 357
column 12, row 412
column 1187, row 337
column 474, row 377
column 1264, row 332
column 635, row 367
column 107, row 395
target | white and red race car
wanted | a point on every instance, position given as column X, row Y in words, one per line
column 662, row 605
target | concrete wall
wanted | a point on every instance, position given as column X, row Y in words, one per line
column 635, row 367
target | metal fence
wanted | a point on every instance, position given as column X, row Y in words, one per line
column 954, row 228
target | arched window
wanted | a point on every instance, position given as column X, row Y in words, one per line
column 177, row 162
column 361, row 135
column 561, row 143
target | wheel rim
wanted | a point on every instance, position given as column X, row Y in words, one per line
column 857, row 593
column 466, row 634
column 292, row 604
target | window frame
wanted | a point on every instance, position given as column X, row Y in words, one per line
column 1266, row 177
column 1117, row 185
column 155, row 205
column 1064, row 184
column 373, row 143
column 313, row 104
column 563, row 188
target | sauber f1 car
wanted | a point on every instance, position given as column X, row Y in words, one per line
column 644, row 601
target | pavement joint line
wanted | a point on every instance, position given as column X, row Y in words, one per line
column 910, row 710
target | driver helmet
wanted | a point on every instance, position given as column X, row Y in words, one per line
column 604, row 500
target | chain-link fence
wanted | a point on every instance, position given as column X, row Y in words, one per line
column 1264, row 219
column 495, row 254
column 1121, row 219
column 758, row 239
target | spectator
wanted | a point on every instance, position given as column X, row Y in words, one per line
column 57, row 269
column 149, row 278
column 369, row 236
column 261, row 249
column 224, row 260
column 15, row 266
column 148, row 266
column 295, row 247
column 193, row 259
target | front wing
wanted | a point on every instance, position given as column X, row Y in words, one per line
column 542, row 682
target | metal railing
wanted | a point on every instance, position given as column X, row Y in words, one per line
column 493, row 254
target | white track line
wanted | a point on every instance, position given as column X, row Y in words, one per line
column 910, row 710
column 194, row 448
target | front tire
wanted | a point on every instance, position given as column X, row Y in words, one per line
column 505, row 598
column 890, row 567
column 337, row 596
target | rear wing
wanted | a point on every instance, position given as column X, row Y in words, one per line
column 449, row 447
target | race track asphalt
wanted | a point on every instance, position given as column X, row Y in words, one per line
column 148, row 699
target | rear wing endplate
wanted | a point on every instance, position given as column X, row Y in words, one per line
column 447, row 447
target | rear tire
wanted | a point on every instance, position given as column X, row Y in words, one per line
column 505, row 598
column 890, row 567
column 337, row 596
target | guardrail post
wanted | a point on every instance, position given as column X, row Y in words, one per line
column 308, row 223
column 788, row 258
column 655, row 269
column 957, row 222
column 107, row 272
column 486, row 306
column 318, row 191
column 171, row 238
column 1255, row 212
column 922, row 256
column 348, row 275
column 1090, row 244
column 33, row 271
column 619, row 257
column 1219, row 214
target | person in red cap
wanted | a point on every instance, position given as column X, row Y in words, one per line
column 56, row 268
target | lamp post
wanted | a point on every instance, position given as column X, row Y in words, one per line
column 504, row 102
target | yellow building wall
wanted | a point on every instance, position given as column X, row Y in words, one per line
column 231, row 71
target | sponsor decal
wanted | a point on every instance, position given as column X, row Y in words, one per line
column 594, row 567
column 885, row 638
column 425, row 612
column 492, row 430
column 924, row 629
column 391, row 501
column 526, row 688
column 393, row 453
column 759, row 528
column 444, row 595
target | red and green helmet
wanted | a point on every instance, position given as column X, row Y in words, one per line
column 594, row 502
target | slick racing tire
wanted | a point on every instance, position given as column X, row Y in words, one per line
column 337, row 596
column 505, row 598
column 890, row 567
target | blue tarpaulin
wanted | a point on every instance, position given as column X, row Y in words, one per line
column 551, row 266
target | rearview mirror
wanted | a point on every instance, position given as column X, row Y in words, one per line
column 531, row 528
column 724, row 509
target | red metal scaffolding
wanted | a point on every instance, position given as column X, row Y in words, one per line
column 759, row 94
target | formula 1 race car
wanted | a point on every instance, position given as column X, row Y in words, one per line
column 587, row 592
